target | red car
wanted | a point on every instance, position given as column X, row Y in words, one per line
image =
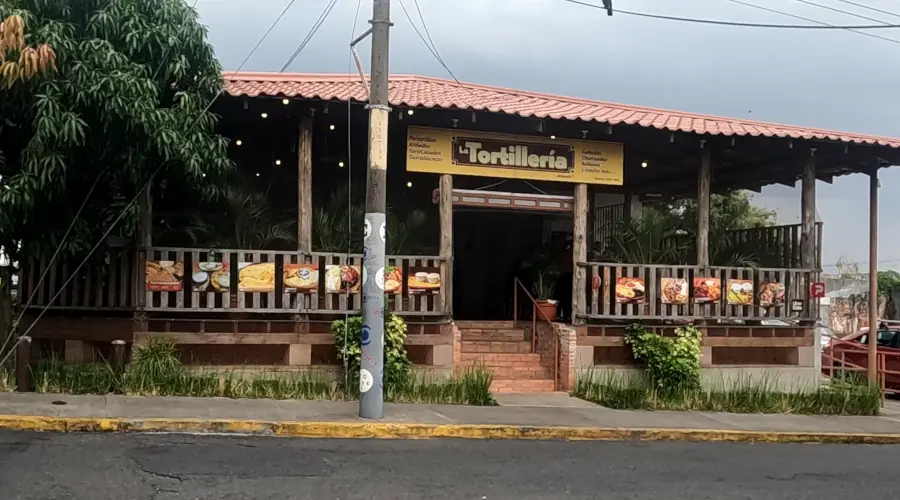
column 853, row 352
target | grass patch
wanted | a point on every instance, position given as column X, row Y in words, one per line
column 850, row 397
column 156, row 371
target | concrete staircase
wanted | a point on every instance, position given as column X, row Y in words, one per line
column 502, row 348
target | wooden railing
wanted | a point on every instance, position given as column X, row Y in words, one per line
column 224, row 282
column 106, row 282
column 689, row 293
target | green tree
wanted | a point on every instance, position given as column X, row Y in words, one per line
column 129, row 99
column 726, row 213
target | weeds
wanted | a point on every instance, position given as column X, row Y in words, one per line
column 156, row 371
column 739, row 396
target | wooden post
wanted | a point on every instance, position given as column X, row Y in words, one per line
column 579, row 251
column 145, row 241
column 808, row 215
column 304, row 186
column 23, row 365
column 704, row 182
column 118, row 356
column 633, row 207
column 445, row 209
column 873, row 275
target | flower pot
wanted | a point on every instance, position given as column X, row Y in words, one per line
column 548, row 308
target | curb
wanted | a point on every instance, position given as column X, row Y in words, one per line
column 347, row 430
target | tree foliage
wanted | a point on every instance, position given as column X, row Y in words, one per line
column 18, row 61
column 129, row 99
column 666, row 233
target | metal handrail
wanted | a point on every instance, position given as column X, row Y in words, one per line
column 534, row 332
column 841, row 364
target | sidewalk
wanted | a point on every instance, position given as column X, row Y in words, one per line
column 551, row 416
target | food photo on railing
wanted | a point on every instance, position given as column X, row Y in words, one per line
column 278, row 281
column 659, row 291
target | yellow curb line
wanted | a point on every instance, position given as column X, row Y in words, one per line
column 423, row 431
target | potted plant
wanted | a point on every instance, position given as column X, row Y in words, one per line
column 544, row 288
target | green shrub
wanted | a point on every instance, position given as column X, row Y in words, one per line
column 672, row 364
column 738, row 396
column 396, row 364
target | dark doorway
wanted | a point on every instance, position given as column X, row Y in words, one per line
column 490, row 248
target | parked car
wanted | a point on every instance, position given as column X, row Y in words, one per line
column 853, row 350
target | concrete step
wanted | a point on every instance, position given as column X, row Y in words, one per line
column 467, row 325
column 520, row 385
column 499, row 359
column 475, row 346
column 508, row 334
column 519, row 372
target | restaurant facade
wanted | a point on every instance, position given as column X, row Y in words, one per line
column 505, row 237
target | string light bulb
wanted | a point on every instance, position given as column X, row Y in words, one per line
column 410, row 112
column 409, row 184
column 553, row 137
column 238, row 142
column 264, row 115
column 285, row 102
column 257, row 174
column 278, row 162
column 341, row 164
column 643, row 164
column 331, row 127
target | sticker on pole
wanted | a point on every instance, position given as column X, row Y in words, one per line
column 382, row 231
column 365, row 276
column 366, row 381
column 367, row 229
column 379, row 279
column 365, row 335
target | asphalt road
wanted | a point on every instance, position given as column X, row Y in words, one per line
column 159, row 467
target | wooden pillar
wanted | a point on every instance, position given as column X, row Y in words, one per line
column 145, row 241
column 873, row 274
column 579, row 251
column 704, row 185
column 808, row 216
column 633, row 207
column 304, row 185
column 445, row 210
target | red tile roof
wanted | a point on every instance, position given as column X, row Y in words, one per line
column 428, row 92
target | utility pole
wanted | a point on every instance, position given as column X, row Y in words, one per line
column 371, row 370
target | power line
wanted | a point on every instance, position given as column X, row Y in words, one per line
column 427, row 33
column 311, row 33
column 428, row 45
column 841, row 11
column 823, row 26
column 870, row 8
column 143, row 187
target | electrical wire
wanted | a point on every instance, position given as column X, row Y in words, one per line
column 311, row 33
column 870, row 8
column 841, row 11
column 823, row 26
column 59, row 247
column 425, row 41
column 143, row 187
column 428, row 34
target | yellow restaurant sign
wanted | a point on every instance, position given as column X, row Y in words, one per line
column 462, row 152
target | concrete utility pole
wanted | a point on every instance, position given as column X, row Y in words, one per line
column 371, row 371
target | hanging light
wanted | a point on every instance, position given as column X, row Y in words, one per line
column 238, row 142
column 285, row 102
column 553, row 137
column 409, row 184
column 257, row 174
column 341, row 164
column 278, row 162
column 410, row 112
column 644, row 164
column 331, row 127
column 264, row 115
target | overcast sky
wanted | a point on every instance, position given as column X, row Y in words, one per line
column 820, row 78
